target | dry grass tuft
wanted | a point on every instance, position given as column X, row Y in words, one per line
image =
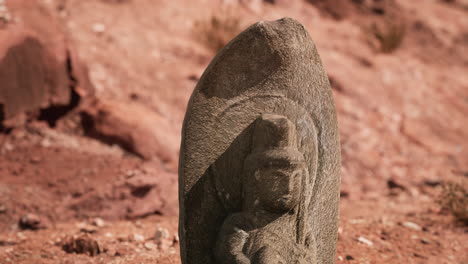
column 217, row 31
column 454, row 199
column 388, row 35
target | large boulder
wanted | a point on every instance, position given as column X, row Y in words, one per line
column 134, row 127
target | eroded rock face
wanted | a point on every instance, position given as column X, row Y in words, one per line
column 260, row 159
column 38, row 68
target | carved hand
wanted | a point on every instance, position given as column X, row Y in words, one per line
column 268, row 256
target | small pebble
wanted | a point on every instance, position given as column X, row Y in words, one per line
column 138, row 238
column 35, row 159
column 46, row 143
column 81, row 245
column 412, row 225
column 98, row 222
column 425, row 241
column 150, row 245
column 161, row 233
column 8, row 146
column 365, row 241
column 88, row 229
column 98, row 27
column 30, row 221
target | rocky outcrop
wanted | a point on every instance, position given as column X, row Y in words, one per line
column 38, row 68
column 135, row 128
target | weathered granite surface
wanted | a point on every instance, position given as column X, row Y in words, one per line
column 260, row 157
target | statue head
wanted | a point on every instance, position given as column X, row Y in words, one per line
column 275, row 169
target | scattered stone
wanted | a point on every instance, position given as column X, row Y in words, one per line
column 81, row 245
column 98, row 222
column 8, row 146
column 3, row 209
column 357, row 221
column 344, row 194
column 412, row 225
column 21, row 236
column 120, row 250
column 134, row 96
column 384, row 235
column 432, row 183
column 263, row 107
column 31, row 222
column 46, row 143
column 123, row 238
column 137, row 238
column 142, row 190
column 138, row 224
column 130, row 174
column 35, row 159
column 193, row 77
column 150, row 245
column 419, row 256
column 392, row 184
column 85, row 228
column 165, row 245
column 340, row 230
column 425, row 241
column 98, row 28
column 161, row 233
column 4, row 243
column 162, row 239
column 349, row 257
column 5, row 15
column 365, row 241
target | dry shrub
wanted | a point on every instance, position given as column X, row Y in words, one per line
column 388, row 35
column 454, row 199
column 215, row 32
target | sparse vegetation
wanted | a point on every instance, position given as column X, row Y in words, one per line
column 217, row 31
column 389, row 35
column 454, row 199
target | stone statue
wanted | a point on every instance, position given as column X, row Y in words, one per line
column 276, row 182
column 260, row 159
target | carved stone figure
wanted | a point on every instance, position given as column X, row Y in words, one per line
column 260, row 160
column 272, row 226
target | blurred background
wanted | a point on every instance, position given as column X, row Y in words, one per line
column 93, row 94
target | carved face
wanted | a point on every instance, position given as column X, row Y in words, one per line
column 279, row 189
